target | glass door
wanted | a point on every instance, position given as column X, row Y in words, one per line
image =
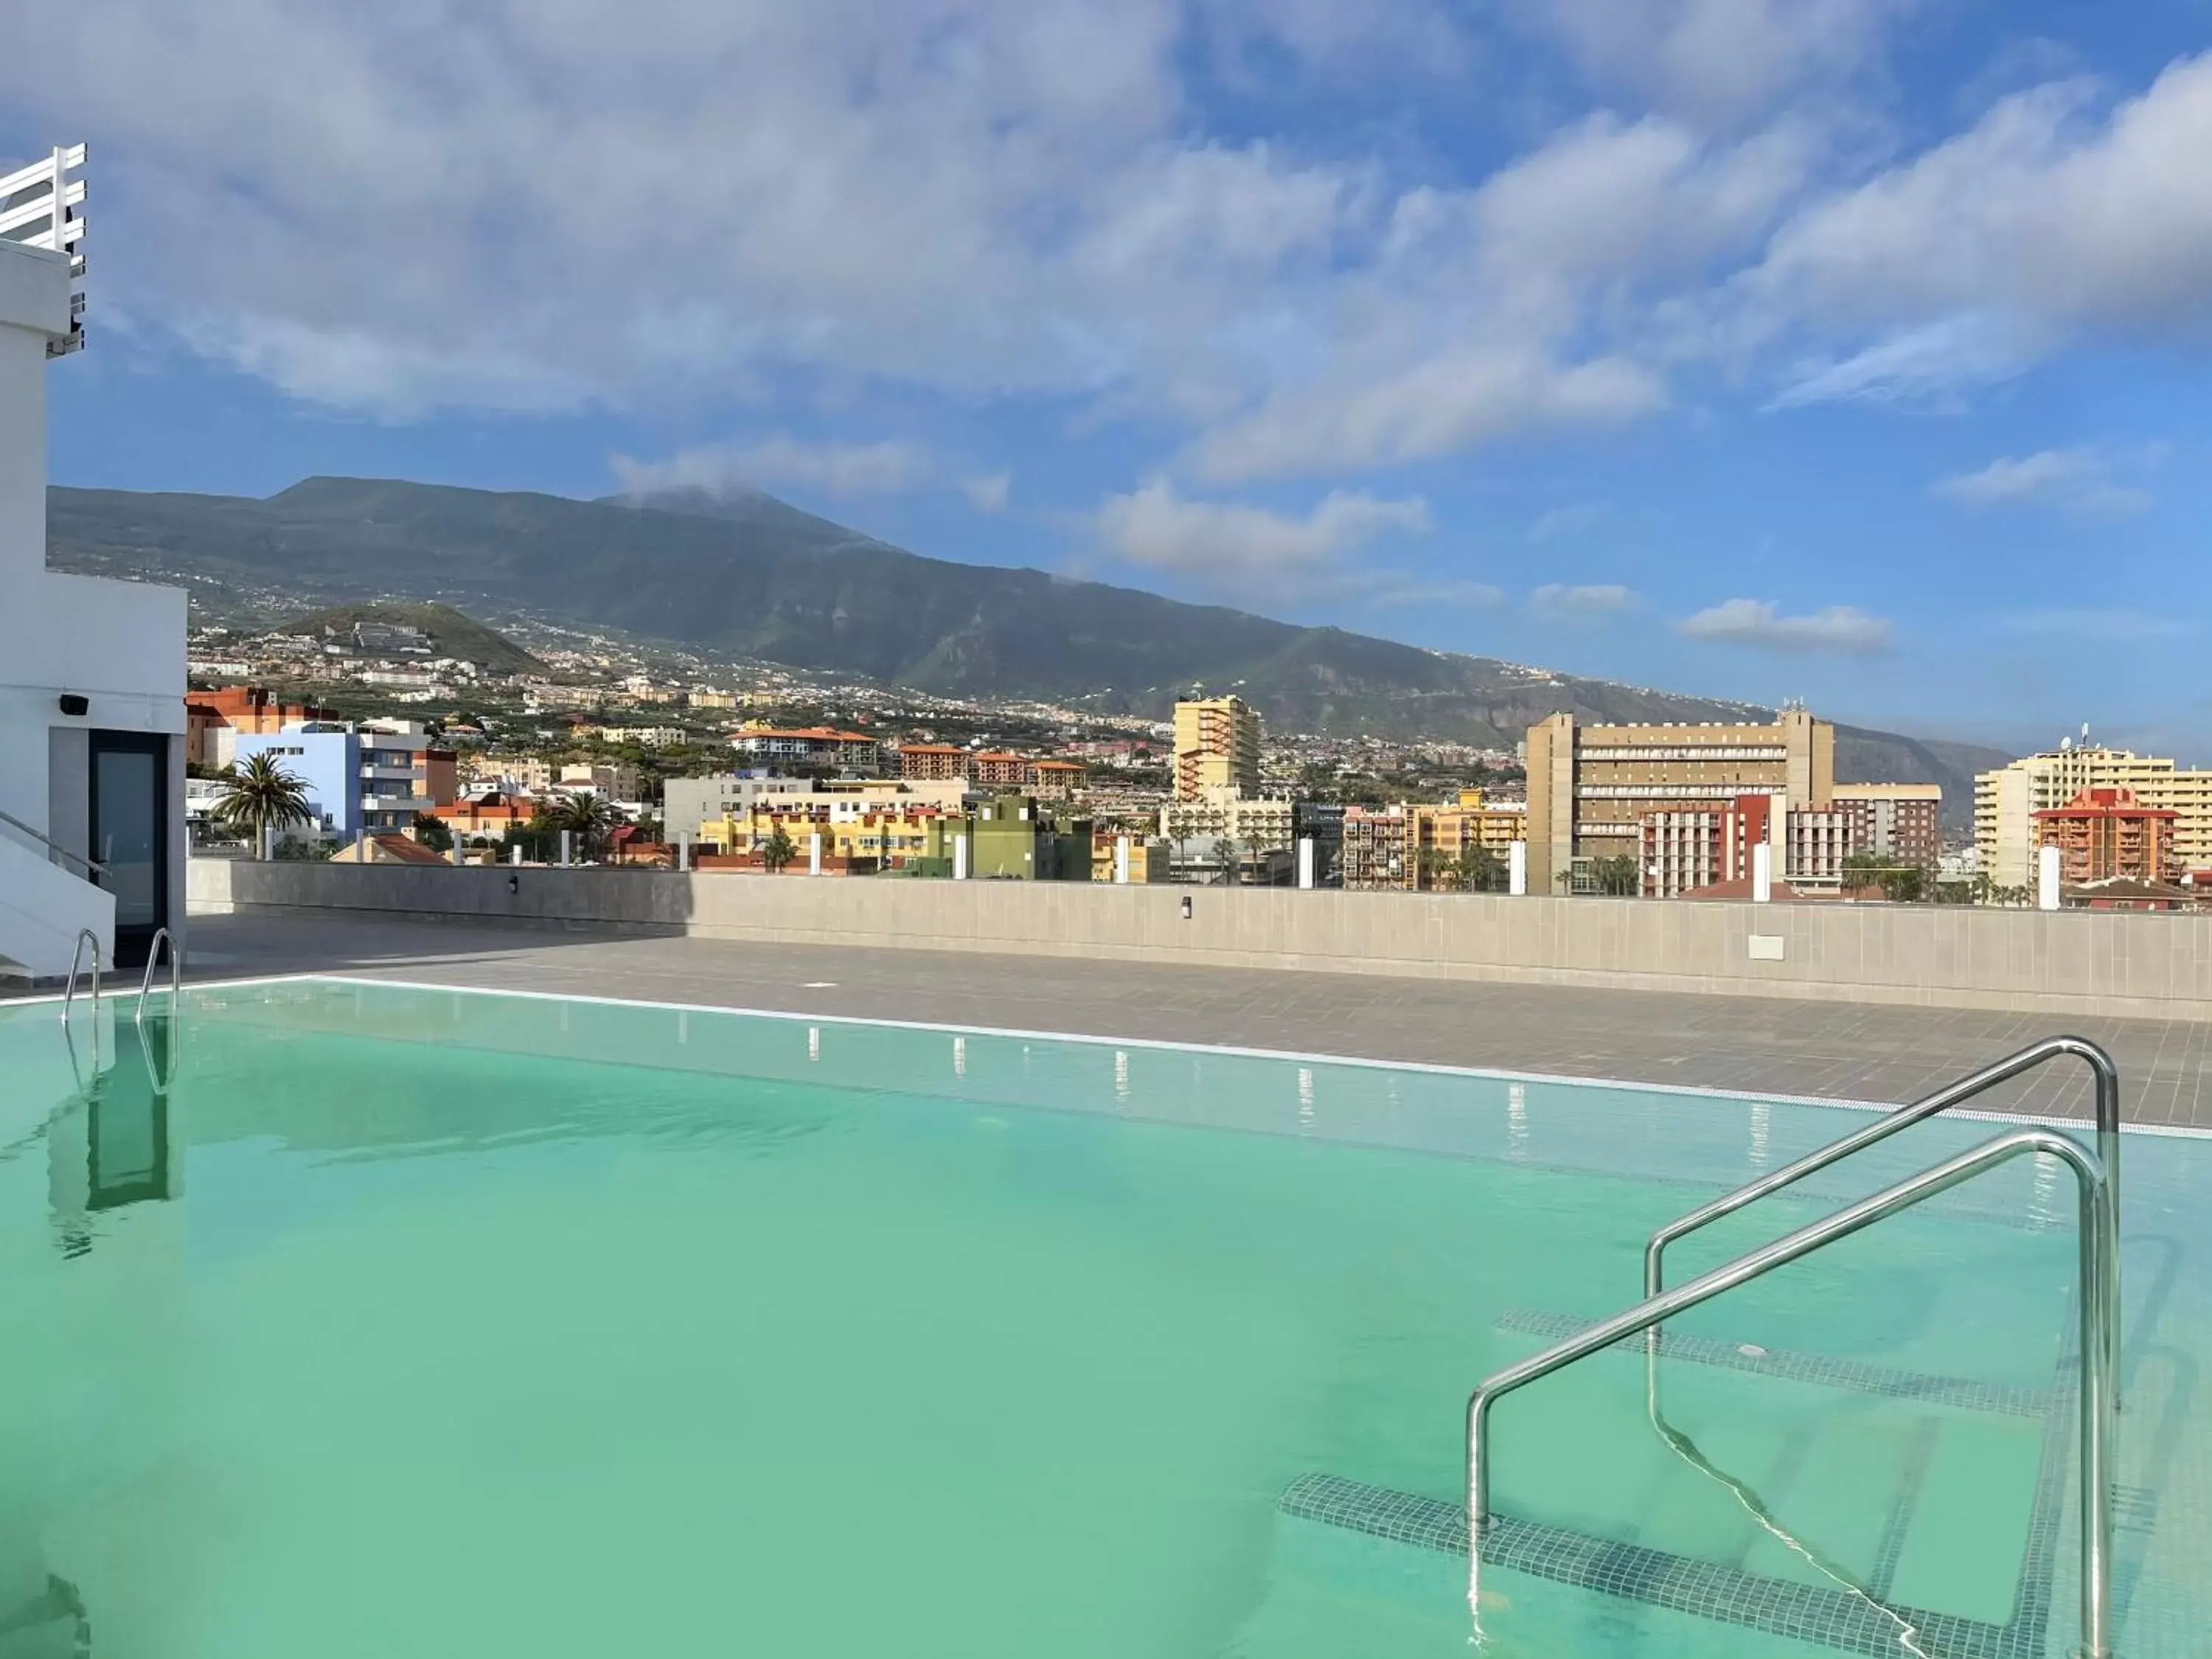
column 130, row 834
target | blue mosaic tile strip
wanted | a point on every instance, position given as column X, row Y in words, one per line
column 1805, row 1367
column 1828, row 1618
column 1889, row 1550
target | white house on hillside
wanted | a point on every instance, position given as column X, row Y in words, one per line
column 91, row 672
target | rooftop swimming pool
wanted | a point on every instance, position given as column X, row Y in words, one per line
column 357, row 1320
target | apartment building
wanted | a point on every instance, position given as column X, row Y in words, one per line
column 702, row 806
column 867, row 839
column 1685, row 852
column 1248, row 820
column 1149, row 860
column 996, row 769
column 1011, row 837
column 1217, row 747
column 492, row 816
column 687, row 805
column 1813, row 843
column 92, row 670
column 932, row 761
column 2105, row 834
column 213, row 718
column 369, row 778
column 613, row 779
column 1057, row 778
column 1378, row 855
column 1901, row 822
column 811, row 746
column 2007, row 800
column 1590, row 787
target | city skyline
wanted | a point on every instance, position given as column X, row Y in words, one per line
column 1705, row 350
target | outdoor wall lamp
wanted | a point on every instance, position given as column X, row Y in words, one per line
column 1185, row 907
column 74, row 702
column 514, row 883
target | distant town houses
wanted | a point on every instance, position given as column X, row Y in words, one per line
column 883, row 777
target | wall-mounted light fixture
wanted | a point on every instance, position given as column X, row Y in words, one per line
column 74, row 703
column 1185, row 907
column 514, row 883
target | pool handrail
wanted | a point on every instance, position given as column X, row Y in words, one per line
column 176, row 971
column 2097, row 1394
column 2101, row 1066
column 84, row 935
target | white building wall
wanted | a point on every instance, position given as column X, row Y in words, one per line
column 121, row 645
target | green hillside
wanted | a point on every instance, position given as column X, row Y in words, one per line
column 450, row 633
column 754, row 577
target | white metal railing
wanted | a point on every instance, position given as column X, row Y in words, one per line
column 42, row 206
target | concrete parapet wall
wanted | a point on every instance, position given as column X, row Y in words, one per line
column 2076, row 963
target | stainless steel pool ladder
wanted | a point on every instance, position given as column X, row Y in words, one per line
column 2101, row 1068
column 2098, row 1301
column 84, row 935
column 176, row 971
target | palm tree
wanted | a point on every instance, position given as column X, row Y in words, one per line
column 777, row 851
column 1224, row 854
column 1478, row 869
column 589, row 818
column 1256, row 850
column 261, row 797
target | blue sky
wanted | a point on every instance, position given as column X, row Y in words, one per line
column 1847, row 349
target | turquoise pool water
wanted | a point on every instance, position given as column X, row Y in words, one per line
column 355, row 1320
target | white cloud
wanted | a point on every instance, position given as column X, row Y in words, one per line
column 2071, row 479
column 412, row 207
column 1153, row 526
column 1456, row 594
column 1930, row 360
column 985, row 196
column 1840, row 628
column 989, row 493
column 2043, row 219
column 1585, row 601
column 780, row 461
column 1715, row 59
column 1449, row 403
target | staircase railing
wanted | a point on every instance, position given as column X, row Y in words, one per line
column 53, row 848
column 2097, row 1346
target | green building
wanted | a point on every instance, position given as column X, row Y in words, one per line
column 1009, row 838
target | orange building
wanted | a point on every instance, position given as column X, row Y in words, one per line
column 493, row 816
column 2102, row 834
column 249, row 708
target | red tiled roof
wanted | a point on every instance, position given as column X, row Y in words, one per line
column 406, row 851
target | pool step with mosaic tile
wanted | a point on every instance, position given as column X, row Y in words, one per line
column 1835, row 1488
column 1349, row 1557
column 1856, row 1514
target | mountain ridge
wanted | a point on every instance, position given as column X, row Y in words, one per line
column 756, row 578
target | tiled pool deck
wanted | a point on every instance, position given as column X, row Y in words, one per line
column 1843, row 1051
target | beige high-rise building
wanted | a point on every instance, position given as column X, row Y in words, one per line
column 1217, row 747
column 1590, row 786
column 2006, row 801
